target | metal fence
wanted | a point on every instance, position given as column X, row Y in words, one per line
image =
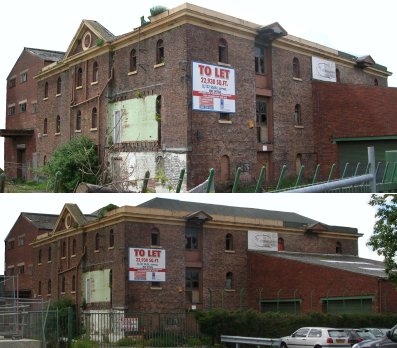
column 114, row 328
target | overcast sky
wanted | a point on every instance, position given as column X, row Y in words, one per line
column 349, row 210
column 360, row 28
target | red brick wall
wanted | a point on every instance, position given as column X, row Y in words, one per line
column 292, row 279
column 346, row 110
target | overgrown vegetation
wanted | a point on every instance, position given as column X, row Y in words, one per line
column 102, row 212
column 156, row 10
column 252, row 323
column 77, row 161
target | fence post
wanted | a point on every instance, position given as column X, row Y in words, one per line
column 2, row 182
column 299, row 178
column 258, row 184
column 345, row 170
column 331, row 172
column 180, row 180
column 236, row 180
column 371, row 160
column 280, row 179
column 70, row 326
column 210, row 180
column 316, row 174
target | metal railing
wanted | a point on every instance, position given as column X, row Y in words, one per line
column 256, row 341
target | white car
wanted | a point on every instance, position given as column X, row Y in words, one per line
column 316, row 337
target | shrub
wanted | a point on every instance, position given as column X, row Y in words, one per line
column 84, row 344
column 156, row 10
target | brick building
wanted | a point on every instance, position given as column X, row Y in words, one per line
column 19, row 253
column 205, row 256
column 20, row 153
column 135, row 96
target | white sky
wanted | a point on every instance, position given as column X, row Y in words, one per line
column 358, row 28
column 350, row 210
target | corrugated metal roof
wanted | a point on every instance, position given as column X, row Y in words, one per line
column 349, row 263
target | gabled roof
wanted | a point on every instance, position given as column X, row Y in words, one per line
column 98, row 29
column 289, row 219
column 349, row 263
column 271, row 31
column 77, row 218
column 52, row 56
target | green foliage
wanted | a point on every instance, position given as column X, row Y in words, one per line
column 99, row 41
column 78, row 162
column 84, row 344
column 102, row 212
column 125, row 342
column 252, row 323
column 156, row 10
column 384, row 239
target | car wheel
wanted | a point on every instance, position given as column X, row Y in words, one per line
column 283, row 345
column 317, row 346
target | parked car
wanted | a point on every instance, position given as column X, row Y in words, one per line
column 377, row 332
column 316, row 337
column 387, row 341
column 359, row 335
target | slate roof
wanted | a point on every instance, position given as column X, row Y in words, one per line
column 52, row 56
column 102, row 31
column 341, row 262
column 289, row 219
column 41, row 221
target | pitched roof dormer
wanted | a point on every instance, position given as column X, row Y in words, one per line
column 198, row 218
column 364, row 61
column 70, row 217
column 89, row 34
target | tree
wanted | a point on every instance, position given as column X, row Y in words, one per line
column 77, row 161
column 384, row 239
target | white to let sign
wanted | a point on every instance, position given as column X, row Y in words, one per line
column 213, row 88
column 146, row 265
column 323, row 70
column 259, row 240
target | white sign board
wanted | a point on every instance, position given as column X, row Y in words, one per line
column 323, row 70
column 213, row 88
column 262, row 241
column 146, row 265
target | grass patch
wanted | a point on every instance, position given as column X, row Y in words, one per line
column 21, row 186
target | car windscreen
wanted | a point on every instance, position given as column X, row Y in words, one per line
column 337, row 333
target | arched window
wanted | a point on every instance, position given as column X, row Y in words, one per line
column 133, row 61
column 73, row 283
column 39, row 289
column 94, row 118
column 40, row 255
column 46, row 90
column 280, row 244
column 97, row 241
column 45, row 130
column 297, row 115
column 59, row 85
column 229, row 242
column 63, row 286
column 229, row 280
column 337, row 75
column 155, row 237
column 79, row 79
column 58, row 125
column 95, row 72
column 63, row 249
column 78, row 120
column 160, row 52
column 158, row 117
column 74, row 247
column 296, row 68
column 222, row 51
column 44, row 160
column 338, row 248
column 49, row 254
column 49, row 287
column 111, row 239
column 376, row 82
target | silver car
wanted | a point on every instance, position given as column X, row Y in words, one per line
column 316, row 337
